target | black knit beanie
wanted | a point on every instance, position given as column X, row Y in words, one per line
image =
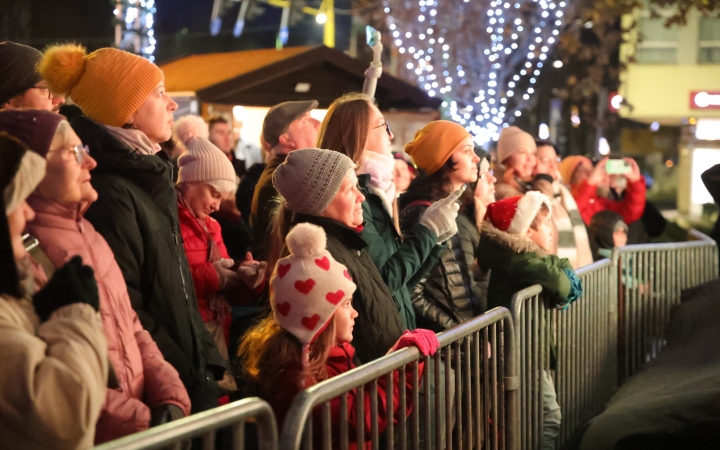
column 17, row 69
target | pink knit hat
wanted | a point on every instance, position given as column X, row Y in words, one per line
column 513, row 140
column 308, row 285
column 202, row 161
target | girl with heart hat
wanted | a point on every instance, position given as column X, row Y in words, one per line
column 307, row 337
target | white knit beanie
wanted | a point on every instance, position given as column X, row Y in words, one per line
column 202, row 161
column 513, row 140
column 308, row 285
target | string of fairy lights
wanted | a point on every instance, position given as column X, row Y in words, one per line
column 517, row 36
column 134, row 27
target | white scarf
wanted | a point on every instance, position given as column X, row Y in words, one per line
column 134, row 138
column 380, row 168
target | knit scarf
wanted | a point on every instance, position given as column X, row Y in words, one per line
column 380, row 168
column 578, row 251
column 136, row 139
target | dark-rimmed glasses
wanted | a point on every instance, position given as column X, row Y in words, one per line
column 387, row 127
column 79, row 150
column 45, row 88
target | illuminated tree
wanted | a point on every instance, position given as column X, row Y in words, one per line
column 134, row 21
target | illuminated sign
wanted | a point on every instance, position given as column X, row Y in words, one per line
column 705, row 100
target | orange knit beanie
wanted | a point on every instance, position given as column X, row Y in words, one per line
column 108, row 84
column 569, row 164
column 434, row 143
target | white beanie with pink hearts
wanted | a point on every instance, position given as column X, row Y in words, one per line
column 308, row 285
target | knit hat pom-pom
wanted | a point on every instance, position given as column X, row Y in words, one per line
column 306, row 240
column 62, row 67
column 189, row 127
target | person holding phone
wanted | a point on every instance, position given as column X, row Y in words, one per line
column 584, row 181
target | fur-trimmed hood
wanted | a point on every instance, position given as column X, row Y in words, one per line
column 515, row 242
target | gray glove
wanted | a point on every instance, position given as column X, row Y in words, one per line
column 227, row 278
column 440, row 216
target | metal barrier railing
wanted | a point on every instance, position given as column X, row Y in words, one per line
column 479, row 356
column 584, row 339
column 651, row 277
column 586, row 336
column 206, row 424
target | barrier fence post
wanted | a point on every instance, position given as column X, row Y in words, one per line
column 461, row 402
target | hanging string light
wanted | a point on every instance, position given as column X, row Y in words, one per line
column 134, row 27
column 483, row 58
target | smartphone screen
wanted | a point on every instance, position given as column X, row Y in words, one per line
column 617, row 167
column 372, row 36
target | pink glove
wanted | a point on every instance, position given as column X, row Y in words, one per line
column 426, row 341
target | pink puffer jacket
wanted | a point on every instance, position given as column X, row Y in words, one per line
column 146, row 380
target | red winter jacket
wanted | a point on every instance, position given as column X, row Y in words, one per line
column 205, row 278
column 146, row 380
column 631, row 208
column 339, row 362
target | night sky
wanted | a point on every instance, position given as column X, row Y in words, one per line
column 42, row 22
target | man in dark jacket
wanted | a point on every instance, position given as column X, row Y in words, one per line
column 287, row 126
column 137, row 214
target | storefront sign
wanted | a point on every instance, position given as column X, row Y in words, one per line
column 704, row 100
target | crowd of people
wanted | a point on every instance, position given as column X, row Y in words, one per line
column 154, row 269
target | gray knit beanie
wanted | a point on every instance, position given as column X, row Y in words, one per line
column 310, row 178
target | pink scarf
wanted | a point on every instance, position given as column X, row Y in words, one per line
column 380, row 168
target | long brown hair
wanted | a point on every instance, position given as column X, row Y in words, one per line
column 267, row 351
column 280, row 224
column 346, row 125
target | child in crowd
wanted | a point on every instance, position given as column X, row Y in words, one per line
column 607, row 230
column 307, row 337
column 516, row 237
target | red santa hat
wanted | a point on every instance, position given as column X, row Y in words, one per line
column 308, row 285
column 514, row 215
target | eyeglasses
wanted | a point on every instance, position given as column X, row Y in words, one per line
column 484, row 176
column 547, row 159
column 387, row 127
column 79, row 150
column 42, row 88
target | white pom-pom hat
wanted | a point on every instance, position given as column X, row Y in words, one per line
column 203, row 161
column 308, row 285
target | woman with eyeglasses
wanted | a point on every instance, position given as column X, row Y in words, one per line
column 147, row 390
column 445, row 154
column 126, row 113
column 355, row 127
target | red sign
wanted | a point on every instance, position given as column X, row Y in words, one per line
column 705, row 100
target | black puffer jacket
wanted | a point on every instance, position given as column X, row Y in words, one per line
column 137, row 214
column 378, row 325
column 447, row 295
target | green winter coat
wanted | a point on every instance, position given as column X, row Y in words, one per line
column 402, row 262
column 517, row 263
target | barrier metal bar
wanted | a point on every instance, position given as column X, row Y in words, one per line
column 586, row 343
column 586, row 351
column 206, row 424
column 479, row 383
column 529, row 314
column 650, row 280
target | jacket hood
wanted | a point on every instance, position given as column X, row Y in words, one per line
column 514, row 242
column 419, row 189
column 113, row 156
column 601, row 230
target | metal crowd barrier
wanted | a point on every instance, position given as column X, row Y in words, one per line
column 586, row 336
column 479, row 356
column 651, row 278
column 206, row 424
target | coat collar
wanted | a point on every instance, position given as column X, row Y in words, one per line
column 349, row 237
column 55, row 214
column 515, row 242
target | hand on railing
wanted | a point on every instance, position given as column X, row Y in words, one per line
column 426, row 341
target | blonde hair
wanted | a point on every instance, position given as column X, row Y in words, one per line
column 267, row 352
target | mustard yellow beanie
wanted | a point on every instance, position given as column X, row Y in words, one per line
column 434, row 143
column 108, row 84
